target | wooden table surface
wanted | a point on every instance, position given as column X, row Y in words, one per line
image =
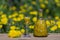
column 51, row 36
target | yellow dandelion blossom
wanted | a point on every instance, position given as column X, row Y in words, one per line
column 58, row 26
column 33, row 2
column 21, row 16
column 12, row 27
column 15, row 14
column 46, row 2
column 3, row 16
column 14, row 33
column 10, row 16
column 0, row 26
column 34, row 13
column 40, row 14
column 23, row 10
column 25, row 5
column 53, row 28
column 4, row 20
column 56, row 17
column 31, row 26
column 19, row 19
column 56, row 1
column 19, row 33
column 58, row 4
column 34, row 19
column 52, row 22
column 47, row 10
column 12, row 8
column 41, row 0
column 22, row 31
column 15, row 19
column 27, row 20
column 58, row 23
column 48, row 23
column 21, row 7
column 43, row 6
column 30, row 8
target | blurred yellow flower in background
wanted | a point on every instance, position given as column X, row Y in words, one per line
column 12, row 8
column 49, row 17
column 30, row 8
column 25, row 5
column 58, row 23
column 31, row 26
column 1, row 26
column 12, row 27
column 14, row 33
column 23, row 10
column 19, row 19
column 47, row 10
column 48, row 23
column 15, row 14
column 33, row 2
column 19, row 33
column 4, row 20
column 21, row 16
column 34, row 19
column 1, row 12
column 46, row 1
column 33, row 12
column 42, row 5
column 56, row 17
column 22, row 31
column 40, row 14
column 41, row 0
column 15, row 19
column 52, row 22
column 27, row 20
column 0, row 22
column 56, row 1
column 58, row 4
column 3, row 16
column 10, row 16
column 53, row 28
column 21, row 7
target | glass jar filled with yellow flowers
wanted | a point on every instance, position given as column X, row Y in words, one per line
column 40, row 29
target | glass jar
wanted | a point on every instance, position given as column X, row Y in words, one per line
column 40, row 29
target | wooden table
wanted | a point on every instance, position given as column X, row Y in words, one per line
column 51, row 36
